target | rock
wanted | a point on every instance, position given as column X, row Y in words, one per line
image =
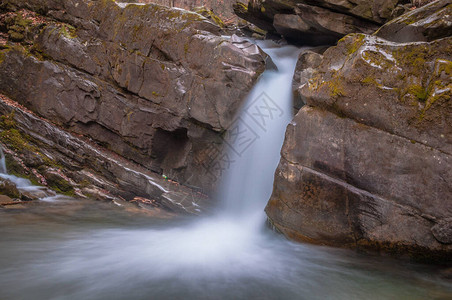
column 316, row 22
column 425, row 24
column 5, row 199
column 93, row 171
column 223, row 8
column 36, row 194
column 307, row 62
column 442, row 231
column 344, row 183
column 8, row 188
column 156, row 85
column 313, row 25
column 411, row 98
column 57, row 181
column 366, row 162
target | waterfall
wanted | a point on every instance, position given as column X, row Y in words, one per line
column 2, row 162
column 255, row 139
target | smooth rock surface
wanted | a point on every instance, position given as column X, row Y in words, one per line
column 344, row 183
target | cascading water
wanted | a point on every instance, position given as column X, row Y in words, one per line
column 258, row 135
column 89, row 250
column 21, row 183
column 2, row 162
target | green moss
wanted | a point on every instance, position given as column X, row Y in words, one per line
column 155, row 94
column 336, row 89
column 16, row 36
column 60, row 185
column 68, row 31
column 210, row 15
column 242, row 6
column 445, row 66
column 7, row 121
column 163, row 67
column 370, row 80
column 420, row 92
column 356, row 44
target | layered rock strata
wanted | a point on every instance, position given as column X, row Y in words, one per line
column 158, row 86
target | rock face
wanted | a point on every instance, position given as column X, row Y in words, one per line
column 76, row 166
column 223, row 8
column 317, row 22
column 156, row 85
column 425, row 24
column 367, row 162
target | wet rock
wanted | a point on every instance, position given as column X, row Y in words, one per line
column 95, row 172
column 8, row 188
column 425, row 24
column 37, row 194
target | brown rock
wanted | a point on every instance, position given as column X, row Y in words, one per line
column 403, row 89
column 343, row 183
column 307, row 63
column 8, row 188
column 425, row 24
column 317, row 22
column 5, row 199
column 154, row 84
column 367, row 162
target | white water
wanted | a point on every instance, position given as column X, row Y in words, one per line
column 2, row 162
column 248, row 183
column 91, row 251
column 22, row 184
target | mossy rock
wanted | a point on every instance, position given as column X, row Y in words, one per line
column 9, row 189
column 59, row 184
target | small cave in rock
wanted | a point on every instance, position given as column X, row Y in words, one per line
column 170, row 148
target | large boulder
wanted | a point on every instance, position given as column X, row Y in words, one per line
column 428, row 23
column 156, row 85
column 317, row 22
column 367, row 162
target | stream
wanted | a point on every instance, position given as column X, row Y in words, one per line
column 67, row 248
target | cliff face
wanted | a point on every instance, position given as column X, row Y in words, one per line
column 318, row 22
column 155, row 85
column 367, row 162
